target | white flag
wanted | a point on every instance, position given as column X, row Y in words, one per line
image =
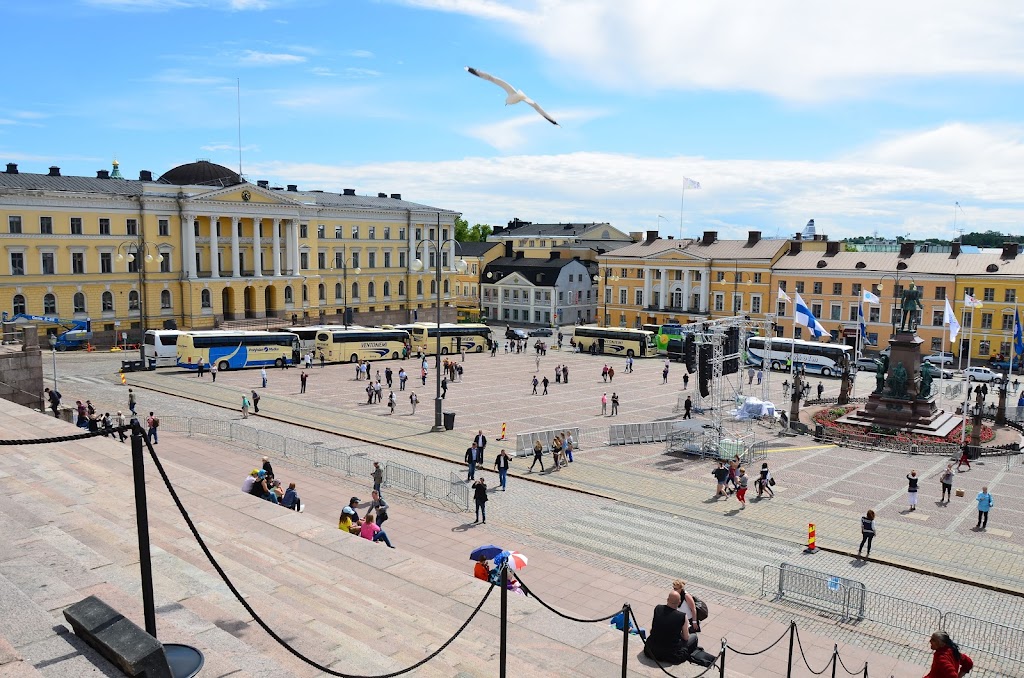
column 870, row 298
column 950, row 319
column 971, row 302
column 782, row 296
column 690, row 183
column 802, row 314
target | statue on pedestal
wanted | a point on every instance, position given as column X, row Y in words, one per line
column 898, row 381
column 883, row 367
column 910, row 304
column 926, row 384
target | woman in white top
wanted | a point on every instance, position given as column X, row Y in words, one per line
column 688, row 607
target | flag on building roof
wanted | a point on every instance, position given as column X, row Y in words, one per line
column 802, row 314
column 950, row 319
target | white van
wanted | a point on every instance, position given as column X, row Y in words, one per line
column 160, row 348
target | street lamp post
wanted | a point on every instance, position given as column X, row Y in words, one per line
column 604, row 287
column 132, row 250
column 418, row 265
column 344, row 284
column 53, row 351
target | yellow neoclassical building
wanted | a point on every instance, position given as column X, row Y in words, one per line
column 200, row 245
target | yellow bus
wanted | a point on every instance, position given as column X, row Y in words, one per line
column 233, row 350
column 366, row 343
column 473, row 337
column 616, row 341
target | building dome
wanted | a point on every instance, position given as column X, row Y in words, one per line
column 201, row 173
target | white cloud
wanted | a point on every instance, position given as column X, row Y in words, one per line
column 787, row 48
column 254, row 58
column 175, row 76
column 360, row 54
column 846, row 196
column 30, row 115
column 361, row 73
column 516, row 132
column 322, row 72
column 168, row 5
column 214, row 147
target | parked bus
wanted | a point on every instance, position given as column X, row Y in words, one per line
column 360, row 343
column 472, row 337
column 307, row 334
column 664, row 335
column 160, row 348
column 616, row 341
column 230, row 350
column 815, row 357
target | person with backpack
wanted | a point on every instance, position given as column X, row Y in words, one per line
column 245, row 407
column 867, row 532
column 152, row 424
column 670, row 640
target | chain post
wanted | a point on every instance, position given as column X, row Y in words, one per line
column 625, row 637
column 792, row 639
column 721, row 657
column 835, row 658
column 503, row 637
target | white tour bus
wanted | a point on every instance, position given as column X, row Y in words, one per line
column 615, row 341
column 815, row 357
column 307, row 334
column 360, row 343
column 233, row 350
column 473, row 337
column 160, row 348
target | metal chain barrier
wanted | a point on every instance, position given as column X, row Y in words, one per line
column 562, row 614
column 831, row 662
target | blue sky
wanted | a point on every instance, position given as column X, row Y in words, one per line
column 868, row 116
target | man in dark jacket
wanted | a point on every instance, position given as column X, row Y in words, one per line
column 670, row 641
column 480, row 498
column 472, row 454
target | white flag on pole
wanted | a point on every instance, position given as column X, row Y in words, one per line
column 950, row 319
column 871, row 298
column 782, row 296
column 971, row 301
column 690, row 183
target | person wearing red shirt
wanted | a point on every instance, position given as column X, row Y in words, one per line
column 948, row 661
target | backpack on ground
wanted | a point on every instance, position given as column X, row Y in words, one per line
column 701, row 607
column 702, row 658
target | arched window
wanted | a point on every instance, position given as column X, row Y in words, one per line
column 355, row 290
column 323, row 292
column 50, row 304
column 79, row 302
column 107, row 302
column 446, row 288
column 338, row 291
column 204, row 299
column 165, row 299
column 133, row 300
column 19, row 303
column 433, row 287
column 371, row 290
column 419, row 287
column 401, row 288
column 387, row 288
column 288, row 296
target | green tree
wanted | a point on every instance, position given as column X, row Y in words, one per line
column 475, row 233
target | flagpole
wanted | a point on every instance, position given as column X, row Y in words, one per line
column 967, row 385
column 682, row 202
column 942, row 359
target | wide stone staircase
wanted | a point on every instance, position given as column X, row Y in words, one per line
column 68, row 520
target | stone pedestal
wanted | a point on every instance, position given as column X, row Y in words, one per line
column 909, row 412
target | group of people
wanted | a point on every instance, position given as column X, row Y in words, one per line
column 261, row 483
column 562, row 447
column 731, row 478
column 369, row 526
column 475, row 459
column 614, row 402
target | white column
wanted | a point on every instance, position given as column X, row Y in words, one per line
column 686, row 289
column 663, row 291
column 214, row 247
column 648, row 284
column 235, row 269
column 188, row 246
column 276, row 247
column 705, row 287
column 257, row 251
column 293, row 245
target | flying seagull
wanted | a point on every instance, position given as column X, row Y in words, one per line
column 514, row 95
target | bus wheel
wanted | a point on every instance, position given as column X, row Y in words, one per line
column 279, row 363
column 354, row 358
column 630, row 353
column 826, row 372
column 394, row 355
column 223, row 366
column 444, row 350
column 479, row 349
column 776, row 365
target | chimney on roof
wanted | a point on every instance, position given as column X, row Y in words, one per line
column 54, row 171
column 832, row 248
column 636, row 236
column 799, row 236
column 709, row 237
column 349, row 191
column 651, row 237
column 520, row 255
column 12, row 168
column 263, row 183
column 382, row 195
column 554, row 255
column 954, row 251
column 102, row 174
column 508, row 249
column 906, row 249
column 796, row 246
column 753, row 237
column 671, row 237
column 293, row 188
column 396, row 196
column 497, row 229
column 145, row 175
column 1010, row 250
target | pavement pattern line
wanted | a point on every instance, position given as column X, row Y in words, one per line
column 932, row 472
column 971, row 510
column 852, row 473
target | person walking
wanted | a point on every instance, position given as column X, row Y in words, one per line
column 132, row 402
column 604, row 373
column 760, row 376
column 687, row 406
column 444, row 387
column 535, row 382
column 912, row 480
column 501, row 466
column 202, row 368
column 378, row 477
column 985, row 504
column 686, row 380
column 765, row 482
column 388, row 376
column 867, row 533
column 302, row 382
column 947, row 659
column 611, row 374
column 538, row 361
column 412, row 401
column 152, row 424
column 480, row 499
column 255, row 402
column 545, row 382
column 785, row 390
column 263, row 376
column 323, row 360
column 615, row 404
column 392, row 401
column 947, row 483
column 538, row 451
column 565, row 374
column 604, row 404
column 741, row 489
column 213, row 372
column 423, row 375
column 664, row 374
column 54, row 398
column 245, row 407
column 750, row 376
column 403, row 377
column 470, row 459
column 964, row 459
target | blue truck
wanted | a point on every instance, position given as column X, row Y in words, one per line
column 74, row 334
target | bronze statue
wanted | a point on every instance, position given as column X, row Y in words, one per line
column 910, row 304
column 883, row 367
column 926, row 384
column 898, row 381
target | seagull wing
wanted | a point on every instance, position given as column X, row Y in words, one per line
column 540, row 110
column 497, row 81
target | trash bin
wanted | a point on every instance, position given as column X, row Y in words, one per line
column 973, row 452
column 449, row 421
column 819, row 432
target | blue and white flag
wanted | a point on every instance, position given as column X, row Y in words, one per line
column 870, row 297
column 802, row 314
column 863, row 327
column 950, row 319
column 690, row 183
column 1018, row 336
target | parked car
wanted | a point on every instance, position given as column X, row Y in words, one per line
column 541, row 332
column 936, row 371
column 944, row 358
column 1004, row 365
column 865, row 363
column 982, row 374
column 516, row 334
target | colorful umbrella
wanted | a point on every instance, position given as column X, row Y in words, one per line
column 516, row 560
column 488, row 552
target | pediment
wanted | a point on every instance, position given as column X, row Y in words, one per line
column 244, row 194
column 515, row 279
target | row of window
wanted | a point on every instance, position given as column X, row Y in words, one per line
column 371, row 232
column 538, row 316
column 76, row 226
column 79, row 302
column 491, row 294
column 48, row 263
column 695, row 274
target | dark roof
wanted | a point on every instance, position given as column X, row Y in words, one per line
column 201, row 173
column 45, row 182
column 521, row 229
column 547, row 269
column 369, row 202
column 476, row 249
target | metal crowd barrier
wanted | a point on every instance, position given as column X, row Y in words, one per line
column 985, row 636
column 526, row 441
column 842, row 597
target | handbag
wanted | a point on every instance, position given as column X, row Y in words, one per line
column 771, row 481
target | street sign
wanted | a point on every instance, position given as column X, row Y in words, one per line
column 124, row 335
